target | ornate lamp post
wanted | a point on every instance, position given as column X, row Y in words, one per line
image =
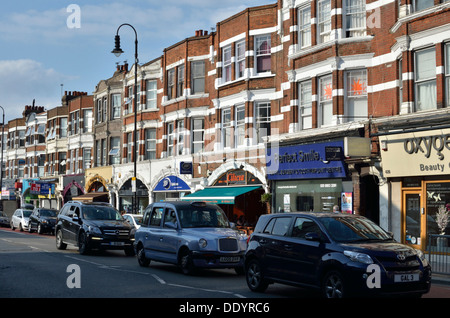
column 117, row 52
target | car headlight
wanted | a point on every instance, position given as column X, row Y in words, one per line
column 422, row 257
column 202, row 243
column 359, row 257
column 94, row 230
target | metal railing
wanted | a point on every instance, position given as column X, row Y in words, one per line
column 439, row 253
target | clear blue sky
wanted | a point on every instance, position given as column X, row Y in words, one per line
column 42, row 47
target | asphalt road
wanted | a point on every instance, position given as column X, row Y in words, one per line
column 32, row 267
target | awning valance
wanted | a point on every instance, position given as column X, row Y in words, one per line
column 219, row 195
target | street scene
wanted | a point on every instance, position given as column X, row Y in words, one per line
column 231, row 150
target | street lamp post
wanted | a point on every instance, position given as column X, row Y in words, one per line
column 117, row 52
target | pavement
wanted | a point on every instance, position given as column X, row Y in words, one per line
column 440, row 279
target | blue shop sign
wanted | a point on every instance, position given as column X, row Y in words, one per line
column 312, row 161
column 172, row 183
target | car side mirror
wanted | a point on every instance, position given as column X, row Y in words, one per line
column 312, row 236
column 75, row 218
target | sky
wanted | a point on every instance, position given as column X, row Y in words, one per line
column 48, row 47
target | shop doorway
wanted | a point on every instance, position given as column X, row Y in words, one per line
column 414, row 221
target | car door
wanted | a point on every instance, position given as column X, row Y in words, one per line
column 168, row 236
column 303, row 250
column 276, row 232
column 34, row 217
column 152, row 233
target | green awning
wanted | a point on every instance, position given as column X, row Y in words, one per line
column 219, row 195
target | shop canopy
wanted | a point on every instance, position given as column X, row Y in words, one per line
column 219, row 195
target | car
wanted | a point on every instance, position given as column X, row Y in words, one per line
column 191, row 235
column 134, row 219
column 93, row 225
column 20, row 219
column 43, row 220
column 337, row 254
column 4, row 220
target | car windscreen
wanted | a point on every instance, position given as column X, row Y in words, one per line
column 353, row 230
column 195, row 216
column 48, row 213
column 101, row 213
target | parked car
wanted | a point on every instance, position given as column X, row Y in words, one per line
column 93, row 225
column 43, row 220
column 4, row 220
column 134, row 219
column 20, row 219
column 191, row 235
column 332, row 252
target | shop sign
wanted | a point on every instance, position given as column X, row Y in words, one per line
column 305, row 161
column 172, row 183
column 416, row 154
column 42, row 188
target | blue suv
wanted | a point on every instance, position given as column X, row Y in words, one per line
column 336, row 253
column 191, row 235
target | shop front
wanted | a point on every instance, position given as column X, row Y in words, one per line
column 309, row 177
column 238, row 192
column 170, row 187
column 417, row 167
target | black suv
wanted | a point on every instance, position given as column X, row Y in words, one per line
column 42, row 220
column 95, row 225
column 336, row 253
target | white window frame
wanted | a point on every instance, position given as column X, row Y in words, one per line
column 447, row 73
column 356, row 98
column 198, row 76
column 115, row 105
column 226, row 64
column 304, row 26
column 423, row 81
column 170, row 139
column 240, row 59
column 261, row 54
column 262, row 122
column 305, row 105
column 325, row 102
column 197, row 144
column 239, row 132
column 226, row 128
column 355, row 18
column 151, row 94
column 150, row 143
column 323, row 21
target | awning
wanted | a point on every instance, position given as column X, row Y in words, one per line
column 92, row 197
column 219, row 195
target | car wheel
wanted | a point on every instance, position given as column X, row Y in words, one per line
column 20, row 227
column 39, row 229
column 30, row 229
column 140, row 253
column 185, row 263
column 333, row 285
column 255, row 277
column 12, row 226
column 83, row 246
column 60, row 245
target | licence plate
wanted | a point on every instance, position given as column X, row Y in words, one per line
column 117, row 243
column 405, row 278
column 230, row 259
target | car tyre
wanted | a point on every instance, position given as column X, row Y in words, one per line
column 60, row 245
column 185, row 263
column 39, row 229
column 254, row 276
column 140, row 253
column 30, row 229
column 83, row 244
column 333, row 285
